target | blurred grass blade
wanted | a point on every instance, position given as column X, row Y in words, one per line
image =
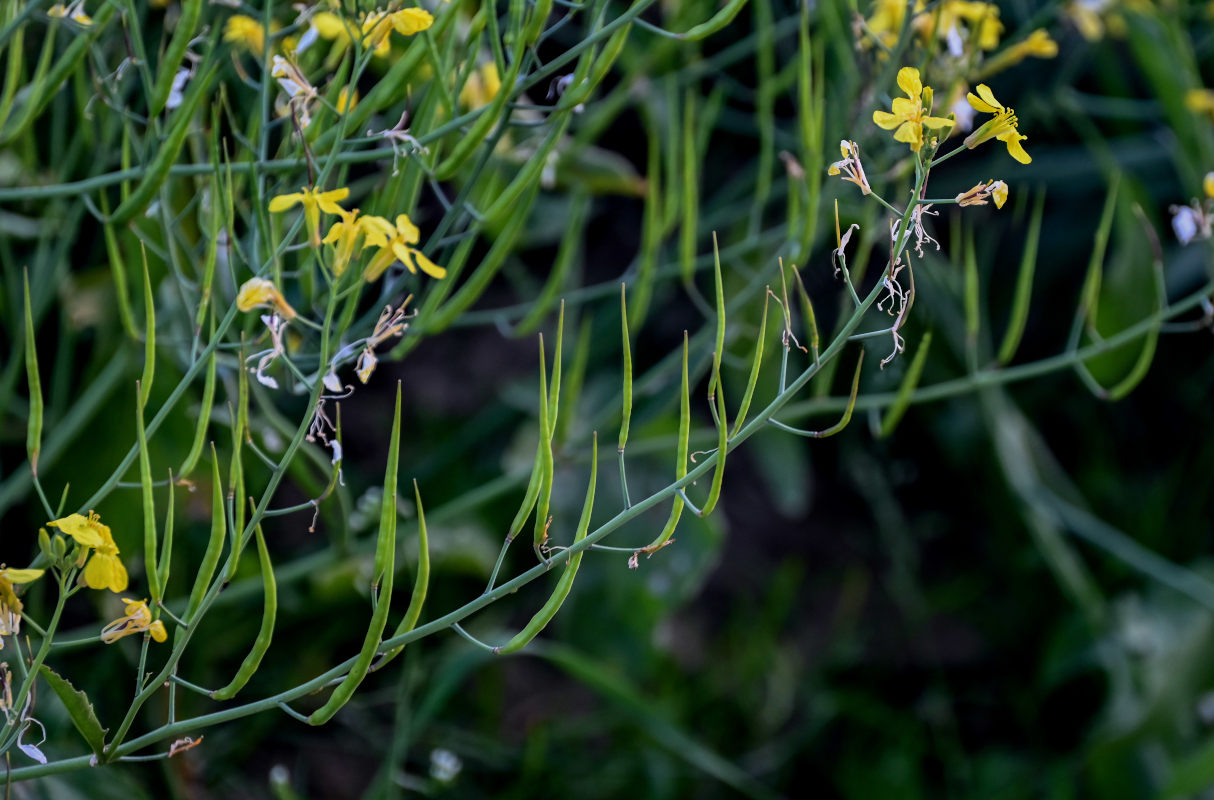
column 568, row 255
column 204, row 416
column 183, row 32
column 1024, row 285
column 544, row 491
column 689, row 192
column 909, row 381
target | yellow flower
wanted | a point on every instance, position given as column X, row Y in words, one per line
column 404, row 234
column 1207, row 184
column 344, row 236
column 137, row 619
column 73, row 11
column 314, row 202
column 481, row 87
column 909, row 114
column 1200, row 101
column 886, row 22
column 243, row 30
column 105, row 568
column 85, row 530
column 10, row 604
column 261, row 293
column 409, row 21
column 1002, row 126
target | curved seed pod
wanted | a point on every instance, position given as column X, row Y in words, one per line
column 33, row 433
column 676, row 509
column 544, row 454
column 384, row 572
column 714, row 23
column 210, row 558
column 187, row 23
column 716, row 392
column 847, row 412
column 158, row 171
column 626, row 344
column 262, row 643
column 557, row 598
column 420, row 583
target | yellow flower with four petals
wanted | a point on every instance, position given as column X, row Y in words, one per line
column 1002, row 126
column 909, row 114
column 314, row 201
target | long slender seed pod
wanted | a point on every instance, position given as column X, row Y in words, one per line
column 909, row 381
column 383, row 575
column 266, row 633
column 717, row 393
column 149, row 502
column 554, row 392
column 204, row 416
column 535, row 25
column 187, row 23
column 544, row 495
column 755, row 364
column 33, row 431
column 714, row 23
column 680, row 470
column 421, row 582
column 557, row 598
column 149, row 340
column 626, row 344
column 210, row 557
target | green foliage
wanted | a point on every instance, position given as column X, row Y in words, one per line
column 966, row 583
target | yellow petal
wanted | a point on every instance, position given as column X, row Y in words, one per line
column 886, row 120
column 284, row 201
column 1208, row 184
column 1012, row 140
column 77, row 527
column 409, row 21
column 21, row 575
column 937, row 122
column 999, row 193
column 402, row 254
column 428, row 266
column 985, row 101
column 909, row 82
column 156, row 629
column 408, row 231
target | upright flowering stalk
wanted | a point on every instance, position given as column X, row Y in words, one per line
column 911, row 114
column 1002, row 126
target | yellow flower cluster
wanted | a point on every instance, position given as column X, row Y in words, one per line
column 373, row 29
column 394, row 241
column 956, row 23
column 105, row 569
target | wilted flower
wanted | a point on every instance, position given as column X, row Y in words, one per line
column 137, row 619
column 261, row 293
column 850, row 164
column 980, row 193
column 73, row 11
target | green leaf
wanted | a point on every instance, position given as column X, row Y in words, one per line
column 79, row 709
